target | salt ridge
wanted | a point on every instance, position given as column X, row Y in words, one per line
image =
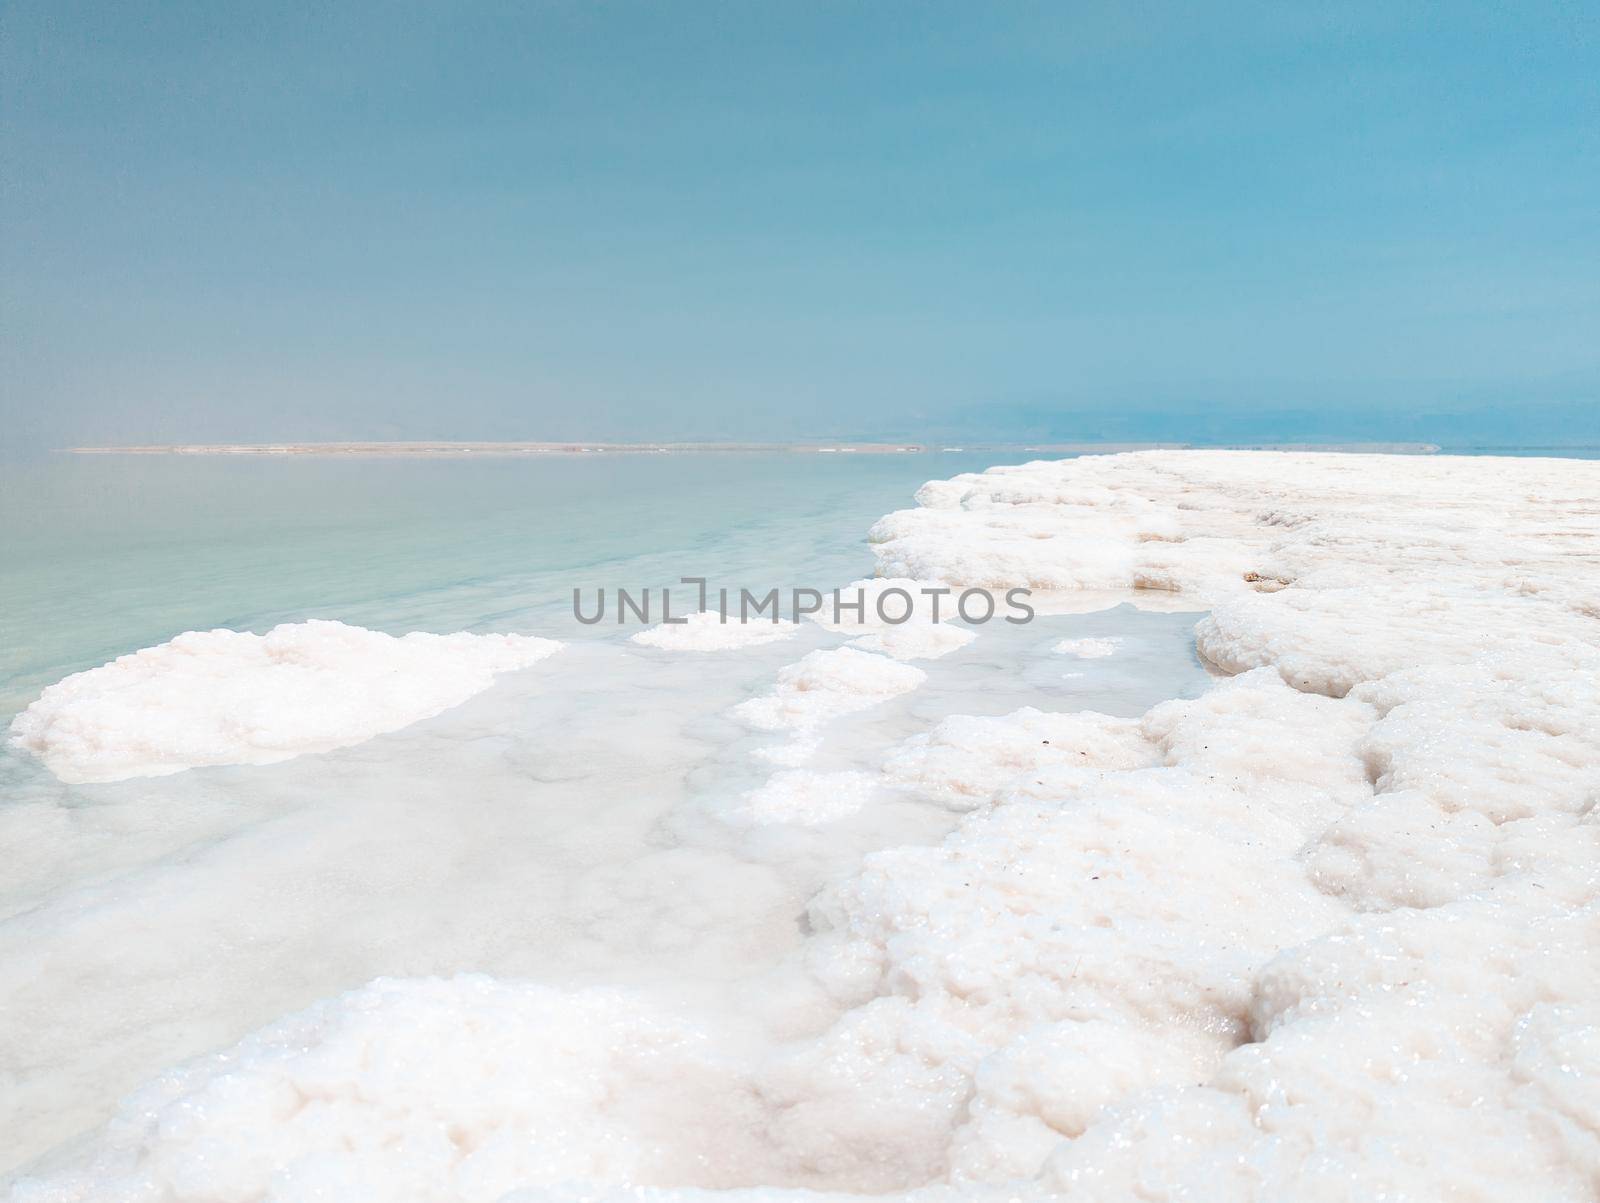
column 1330, row 931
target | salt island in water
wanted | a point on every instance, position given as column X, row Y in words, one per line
column 1327, row 930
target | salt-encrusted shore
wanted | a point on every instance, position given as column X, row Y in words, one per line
column 1329, row 932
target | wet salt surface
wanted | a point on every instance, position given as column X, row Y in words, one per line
column 569, row 825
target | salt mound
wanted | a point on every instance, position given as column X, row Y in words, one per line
column 427, row 1089
column 230, row 697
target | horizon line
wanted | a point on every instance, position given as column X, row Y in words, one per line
column 446, row 447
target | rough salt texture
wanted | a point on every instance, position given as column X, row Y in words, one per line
column 423, row 1090
column 964, row 760
column 707, row 632
column 1329, row 932
column 230, row 697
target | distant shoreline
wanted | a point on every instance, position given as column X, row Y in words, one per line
column 459, row 450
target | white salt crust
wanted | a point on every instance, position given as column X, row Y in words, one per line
column 1329, row 932
column 230, row 697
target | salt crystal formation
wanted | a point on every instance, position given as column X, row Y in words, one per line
column 1329, row 932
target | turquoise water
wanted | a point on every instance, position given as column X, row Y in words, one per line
column 105, row 555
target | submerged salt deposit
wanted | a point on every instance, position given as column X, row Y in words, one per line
column 808, row 797
column 713, row 631
column 1330, row 931
column 1088, row 649
column 231, row 697
column 826, row 685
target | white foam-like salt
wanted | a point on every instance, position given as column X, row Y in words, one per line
column 232, row 697
column 1329, row 931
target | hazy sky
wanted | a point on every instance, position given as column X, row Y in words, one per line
column 568, row 220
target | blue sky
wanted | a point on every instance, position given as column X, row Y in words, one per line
column 754, row 220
